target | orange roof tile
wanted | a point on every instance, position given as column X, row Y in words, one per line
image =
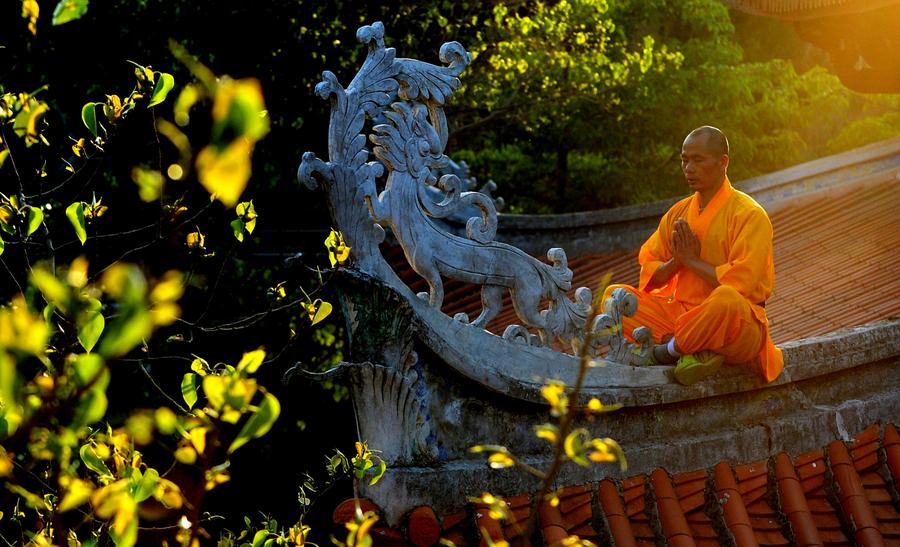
column 853, row 497
column 834, row 258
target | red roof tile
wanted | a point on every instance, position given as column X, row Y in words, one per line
column 733, row 509
column 614, row 511
column 851, row 496
column 424, row 528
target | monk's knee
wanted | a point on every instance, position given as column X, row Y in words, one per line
column 726, row 297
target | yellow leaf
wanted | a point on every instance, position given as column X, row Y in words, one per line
column 216, row 477
column 555, row 394
column 198, row 437
column 225, row 173
column 169, row 494
column 78, row 147
column 165, row 313
column 251, row 360
column 6, row 463
column 214, row 389
column 236, row 105
column 21, row 330
column 186, row 455
column 548, row 432
column 77, row 274
column 166, row 420
column 31, row 10
column 499, row 460
column 196, row 240
column 318, row 310
column 77, row 491
column 106, row 500
column 338, row 251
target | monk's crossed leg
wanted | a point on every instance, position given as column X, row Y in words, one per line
column 657, row 313
column 723, row 323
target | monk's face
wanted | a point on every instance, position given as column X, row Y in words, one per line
column 703, row 168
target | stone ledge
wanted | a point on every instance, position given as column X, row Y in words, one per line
column 519, row 371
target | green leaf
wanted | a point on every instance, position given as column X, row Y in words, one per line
column 379, row 472
column 89, row 117
column 149, row 181
column 69, row 10
column 2, row 245
column 87, row 366
column 52, row 288
column 34, row 220
column 259, row 538
column 90, row 327
column 258, row 424
column 126, row 332
column 164, row 84
column 92, row 405
column 147, row 485
column 92, row 461
column 189, row 385
column 48, row 312
column 75, row 214
column 237, row 226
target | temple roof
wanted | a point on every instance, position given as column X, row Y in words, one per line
column 804, row 9
column 834, row 254
column 843, row 494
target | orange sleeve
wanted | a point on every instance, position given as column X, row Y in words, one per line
column 750, row 268
column 654, row 252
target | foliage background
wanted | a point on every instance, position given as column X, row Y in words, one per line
column 546, row 111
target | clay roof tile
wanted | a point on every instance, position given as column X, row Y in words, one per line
column 423, row 527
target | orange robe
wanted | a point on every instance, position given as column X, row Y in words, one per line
column 736, row 237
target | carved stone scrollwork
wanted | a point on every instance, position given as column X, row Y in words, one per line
column 470, row 183
column 608, row 331
column 403, row 100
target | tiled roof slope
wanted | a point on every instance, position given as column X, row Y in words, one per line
column 835, row 261
column 814, row 7
column 846, row 494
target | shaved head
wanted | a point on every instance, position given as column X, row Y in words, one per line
column 714, row 140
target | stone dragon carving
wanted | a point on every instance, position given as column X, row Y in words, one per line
column 401, row 102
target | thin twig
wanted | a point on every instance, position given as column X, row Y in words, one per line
column 565, row 426
column 166, row 395
column 15, row 280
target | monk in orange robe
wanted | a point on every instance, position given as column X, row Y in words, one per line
column 707, row 271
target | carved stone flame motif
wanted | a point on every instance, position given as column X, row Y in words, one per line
column 403, row 99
